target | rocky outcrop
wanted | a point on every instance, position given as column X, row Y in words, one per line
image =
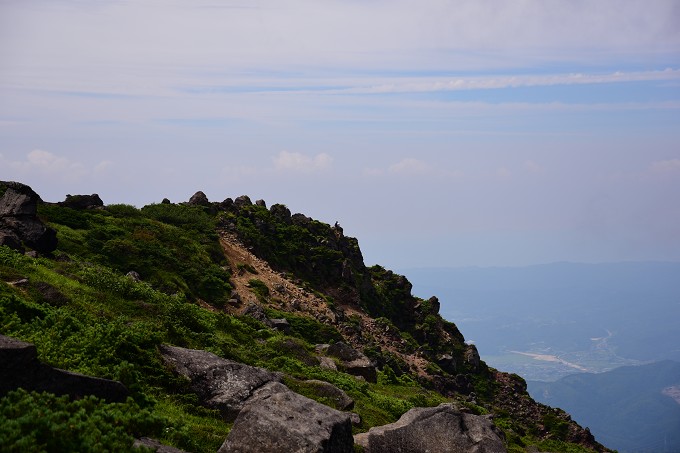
column 220, row 384
column 19, row 222
column 82, row 201
column 442, row 429
column 20, row 368
column 352, row 361
column 277, row 419
column 199, row 199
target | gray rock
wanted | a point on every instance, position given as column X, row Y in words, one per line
column 20, row 368
column 353, row 362
column 280, row 324
column 243, row 200
column 341, row 400
column 220, row 384
column 442, row 429
column 447, row 363
column 327, row 363
column 355, row 418
column 11, row 240
column 256, row 311
column 154, row 445
column 82, row 201
column 199, row 199
column 18, row 200
column 277, row 419
column 434, row 304
column 18, row 220
column 261, row 203
column 32, row 232
column 281, row 212
column 472, row 357
column 134, row 276
column 165, row 201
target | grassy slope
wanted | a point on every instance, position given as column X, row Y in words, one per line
column 83, row 314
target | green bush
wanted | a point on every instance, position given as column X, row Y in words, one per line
column 44, row 422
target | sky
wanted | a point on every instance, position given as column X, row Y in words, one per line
column 439, row 133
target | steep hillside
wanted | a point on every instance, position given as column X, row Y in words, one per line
column 255, row 285
column 632, row 409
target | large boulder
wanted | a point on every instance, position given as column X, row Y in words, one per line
column 220, row 384
column 20, row 368
column 19, row 221
column 442, row 429
column 276, row 419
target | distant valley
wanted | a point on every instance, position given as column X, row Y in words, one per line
column 631, row 409
column 545, row 322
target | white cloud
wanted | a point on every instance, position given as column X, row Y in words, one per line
column 298, row 162
column 47, row 164
column 666, row 166
column 409, row 166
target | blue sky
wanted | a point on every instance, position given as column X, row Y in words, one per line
column 440, row 133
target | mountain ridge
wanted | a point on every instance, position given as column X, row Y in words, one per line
column 219, row 259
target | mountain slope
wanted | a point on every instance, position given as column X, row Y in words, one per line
column 211, row 276
column 631, row 409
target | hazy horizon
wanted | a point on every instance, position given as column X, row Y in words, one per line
column 470, row 133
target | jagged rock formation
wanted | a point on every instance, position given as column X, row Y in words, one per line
column 276, row 419
column 20, row 368
column 219, row 383
column 82, row 201
column 19, row 222
column 443, row 429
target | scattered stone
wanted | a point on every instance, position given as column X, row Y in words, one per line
column 82, row 202
column 154, row 445
column 134, row 276
column 256, row 311
column 261, row 203
column 442, row 429
column 277, row 419
column 20, row 368
column 353, row 362
column 327, row 363
column 280, row 324
column 220, row 384
column 165, row 201
column 355, row 418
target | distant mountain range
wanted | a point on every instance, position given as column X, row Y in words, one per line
column 631, row 409
column 548, row 321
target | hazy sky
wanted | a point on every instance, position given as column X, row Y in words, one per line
column 439, row 133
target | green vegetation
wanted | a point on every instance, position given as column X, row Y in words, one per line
column 43, row 422
column 84, row 314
